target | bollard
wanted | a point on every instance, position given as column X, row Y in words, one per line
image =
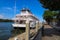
column 16, row 38
column 43, row 30
column 37, row 26
column 27, row 30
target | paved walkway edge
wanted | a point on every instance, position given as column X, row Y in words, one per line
column 35, row 34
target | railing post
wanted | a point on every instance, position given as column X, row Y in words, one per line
column 37, row 26
column 27, row 30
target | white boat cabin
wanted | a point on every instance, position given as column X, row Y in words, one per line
column 20, row 19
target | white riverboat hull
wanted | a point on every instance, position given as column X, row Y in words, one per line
column 22, row 25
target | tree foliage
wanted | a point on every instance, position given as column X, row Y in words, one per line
column 49, row 16
column 5, row 20
column 51, row 4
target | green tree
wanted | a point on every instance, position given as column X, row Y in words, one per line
column 50, row 16
column 53, row 5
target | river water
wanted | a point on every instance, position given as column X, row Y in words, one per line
column 5, row 30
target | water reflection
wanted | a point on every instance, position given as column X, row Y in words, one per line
column 5, row 30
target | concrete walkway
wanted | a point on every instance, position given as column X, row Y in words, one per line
column 50, row 33
column 38, row 36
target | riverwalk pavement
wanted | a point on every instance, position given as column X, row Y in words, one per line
column 38, row 36
column 50, row 33
column 22, row 36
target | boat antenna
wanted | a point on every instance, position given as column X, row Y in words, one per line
column 15, row 8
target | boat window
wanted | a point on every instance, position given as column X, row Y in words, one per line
column 16, row 16
column 22, row 22
column 24, row 11
column 16, row 20
column 21, row 16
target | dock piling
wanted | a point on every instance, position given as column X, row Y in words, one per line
column 27, row 30
column 37, row 26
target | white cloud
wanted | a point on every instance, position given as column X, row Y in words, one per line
column 1, row 16
column 6, row 8
column 10, row 8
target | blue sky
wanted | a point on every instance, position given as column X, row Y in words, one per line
column 7, row 8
